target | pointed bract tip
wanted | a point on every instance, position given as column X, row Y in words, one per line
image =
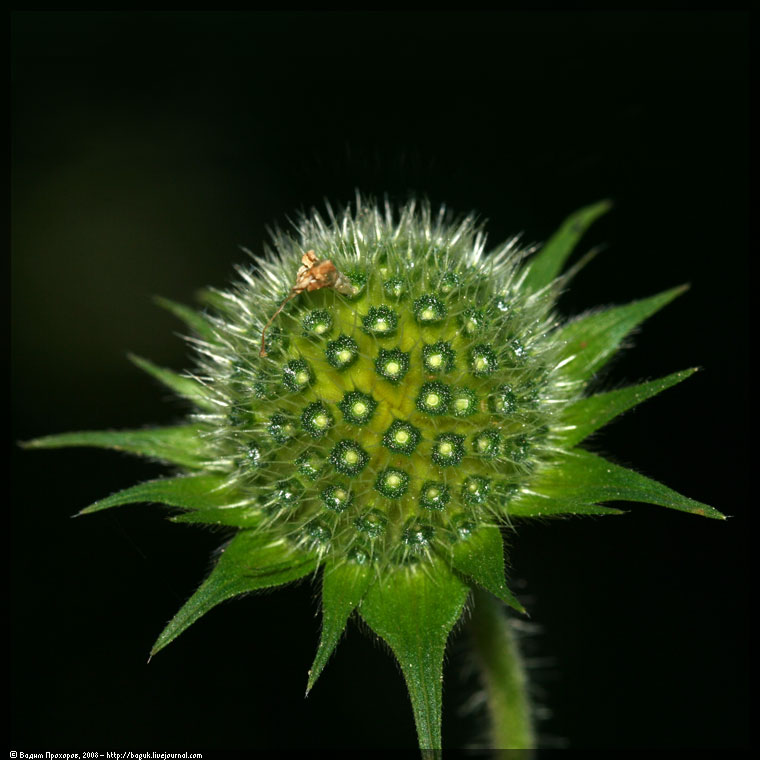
column 311, row 683
column 711, row 512
column 602, row 206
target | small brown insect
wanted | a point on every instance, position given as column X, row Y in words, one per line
column 313, row 274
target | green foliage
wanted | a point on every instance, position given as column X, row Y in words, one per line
column 547, row 264
column 587, row 477
column 343, row 586
column 249, row 562
column 480, row 557
column 587, row 415
column 592, row 340
column 188, row 491
column 414, row 614
column 174, row 445
column 187, row 387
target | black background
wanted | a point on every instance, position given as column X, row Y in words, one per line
column 148, row 146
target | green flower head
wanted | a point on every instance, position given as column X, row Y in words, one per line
column 379, row 401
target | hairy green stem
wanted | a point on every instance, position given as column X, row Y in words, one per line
column 503, row 675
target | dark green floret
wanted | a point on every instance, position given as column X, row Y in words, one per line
column 530, row 392
column 402, row 437
column 429, row 310
column 358, row 555
column 434, row 399
column 357, row 407
column 448, row 449
column 317, row 323
column 392, row 483
column 449, row 283
column 502, row 305
column 309, row 465
column 288, row 493
column 394, row 288
column 464, row 402
column 275, row 341
column 417, row 534
column 462, row 526
column 372, row 523
column 475, row 490
column 297, row 375
column 471, row 322
column 519, row 352
column 504, row 492
column 317, row 419
column 348, row 457
column 503, row 401
column 519, row 448
column 318, row 531
column 392, row 364
column 358, row 279
column 434, row 495
column 336, row 498
column 264, row 390
column 239, row 417
column 438, row 358
column 486, row 444
column 380, row 321
column 483, row 361
column 281, row 428
column 342, row 353
column 252, row 456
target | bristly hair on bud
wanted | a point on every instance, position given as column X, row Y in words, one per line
column 377, row 398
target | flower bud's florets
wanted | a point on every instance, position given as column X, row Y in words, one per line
column 336, row 498
column 348, row 457
column 317, row 323
column 448, row 449
column 438, row 358
column 392, row 365
column 357, row 407
column 297, row 375
column 434, row 399
column 429, row 310
column 434, row 495
column 317, row 420
column 394, row 288
column 342, row 353
column 380, row 321
column 398, row 406
column 402, row 437
column 392, row 483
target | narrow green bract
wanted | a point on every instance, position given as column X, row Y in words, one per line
column 400, row 415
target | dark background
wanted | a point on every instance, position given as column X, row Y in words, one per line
column 148, row 146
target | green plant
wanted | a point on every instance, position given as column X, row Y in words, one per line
column 378, row 398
